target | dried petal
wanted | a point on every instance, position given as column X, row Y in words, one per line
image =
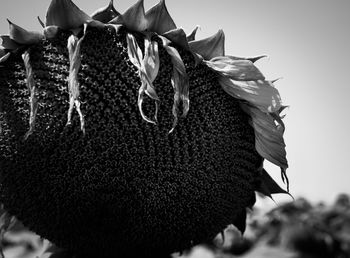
column 134, row 18
column 159, row 19
column 260, row 93
column 105, row 14
column 210, row 47
column 23, row 36
column 74, row 45
column 148, row 67
column 179, row 81
column 177, row 36
column 66, row 15
column 240, row 70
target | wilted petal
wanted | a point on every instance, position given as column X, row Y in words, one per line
column 23, row 36
column 105, row 14
column 134, row 18
column 148, row 67
column 192, row 35
column 236, row 69
column 4, row 56
column 66, row 15
column 259, row 93
column 180, row 82
column 269, row 140
column 210, row 47
column 159, row 19
column 8, row 43
column 178, row 37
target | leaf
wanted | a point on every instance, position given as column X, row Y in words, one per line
column 22, row 36
column 260, row 93
column 268, row 186
column 240, row 70
column 159, row 19
column 178, row 37
column 269, row 140
column 192, row 35
column 105, row 14
column 66, row 15
column 209, row 47
column 8, row 43
column 134, row 18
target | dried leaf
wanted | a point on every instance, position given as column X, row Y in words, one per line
column 66, row 15
column 105, row 14
column 239, row 70
column 210, row 47
column 159, row 19
column 23, row 36
column 134, row 18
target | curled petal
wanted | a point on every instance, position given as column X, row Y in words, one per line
column 269, row 140
column 192, row 35
column 260, row 93
column 134, row 18
column 210, row 47
column 159, row 19
column 105, row 14
column 240, row 70
column 8, row 43
column 177, row 36
column 23, row 36
column 179, row 81
column 148, row 67
column 66, row 15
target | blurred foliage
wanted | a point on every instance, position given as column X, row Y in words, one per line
column 296, row 229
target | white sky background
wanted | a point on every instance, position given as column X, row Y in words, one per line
column 308, row 44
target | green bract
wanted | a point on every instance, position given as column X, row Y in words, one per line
column 122, row 135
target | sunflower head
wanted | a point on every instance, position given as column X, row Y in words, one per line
column 120, row 134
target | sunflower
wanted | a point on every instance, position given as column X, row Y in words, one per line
column 122, row 136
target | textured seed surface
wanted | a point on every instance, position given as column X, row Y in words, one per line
column 127, row 186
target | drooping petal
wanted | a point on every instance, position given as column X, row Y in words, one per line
column 8, row 43
column 105, row 14
column 33, row 101
column 74, row 45
column 179, row 81
column 159, row 19
column 66, row 15
column 148, row 67
column 240, row 70
column 134, row 18
column 178, row 37
column 269, row 140
column 260, row 93
column 192, row 35
column 210, row 47
column 23, row 36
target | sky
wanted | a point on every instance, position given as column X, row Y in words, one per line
column 308, row 45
